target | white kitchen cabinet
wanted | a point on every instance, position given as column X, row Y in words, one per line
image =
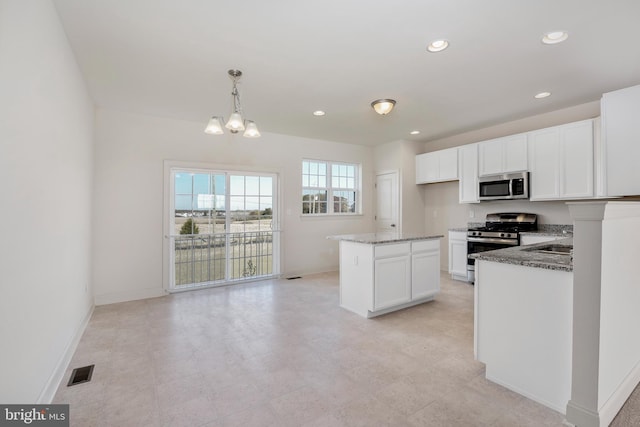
column 392, row 277
column 621, row 141
column 437, row 166
column 458, row 255
column 379, row 277
column 561, row 162
column 425, row 271
column 503, row 155
column 468, row 173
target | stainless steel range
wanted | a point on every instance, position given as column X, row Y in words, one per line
column 501, row 230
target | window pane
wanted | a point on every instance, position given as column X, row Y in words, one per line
column 183, row 183
column 343, row 182
column 252, row 185
column 322, row 181
column 266, row 186
column 183, row 202
column 313, row 168
column 202, row 183
column 351, row 183
column 335, row 181
column 237, row 203
column 252, row 204
column 305, row 180
column 305, row 167
column 322, row 168
column 351, row 171
column 236, row 185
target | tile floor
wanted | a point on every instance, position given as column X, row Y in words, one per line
column 283, row 353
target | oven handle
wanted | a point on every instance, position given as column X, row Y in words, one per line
column 491, row 240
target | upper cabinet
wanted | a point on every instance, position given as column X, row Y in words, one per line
column 468, row 173
column 503, row 155
column 561, row 162
column 621, row 141
column 437, row 166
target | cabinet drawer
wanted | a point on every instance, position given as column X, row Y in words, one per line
column 383, row 251
column 425, row 245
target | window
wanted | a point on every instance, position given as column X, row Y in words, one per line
column 221, row 226
column 330, row 188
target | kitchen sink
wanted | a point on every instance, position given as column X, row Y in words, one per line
column 553, row 249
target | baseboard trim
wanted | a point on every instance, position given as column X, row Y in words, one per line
column 580, row 416
column 525, row 394
column 116, row 297
column 49, row 391
column 612, row 406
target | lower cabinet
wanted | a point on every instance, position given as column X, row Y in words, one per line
column 425, row 273
column 380, row 278
column 458, row 255
column 392, row 282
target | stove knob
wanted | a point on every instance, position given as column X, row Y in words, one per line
column 501, row 234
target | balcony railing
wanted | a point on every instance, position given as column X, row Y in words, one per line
column 205, row 259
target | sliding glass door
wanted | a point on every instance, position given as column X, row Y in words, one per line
column 222, row 227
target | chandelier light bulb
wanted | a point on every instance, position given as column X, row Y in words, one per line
column 252, row 130
column 214, row 127
column 235, row 123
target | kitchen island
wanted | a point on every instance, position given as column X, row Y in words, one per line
column 523, row 319
column 384, row 272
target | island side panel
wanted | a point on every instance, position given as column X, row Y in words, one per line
column 524, row 330
column 356, row 277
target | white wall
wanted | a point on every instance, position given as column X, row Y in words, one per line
column 400, row 156
column 46, row 126
column 128, row 228
column 442, row 210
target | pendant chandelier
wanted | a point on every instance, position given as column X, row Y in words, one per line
column 236, row 123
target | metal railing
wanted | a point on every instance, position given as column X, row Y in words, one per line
column 205, row 259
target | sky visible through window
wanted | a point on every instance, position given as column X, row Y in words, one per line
column 201, row 191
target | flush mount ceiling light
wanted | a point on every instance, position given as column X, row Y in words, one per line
column 236, row 121
column 542, row 95
column 554, row 37
column 383, row 106
column 437, row 46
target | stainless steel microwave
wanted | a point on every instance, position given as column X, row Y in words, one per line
column 504, row 187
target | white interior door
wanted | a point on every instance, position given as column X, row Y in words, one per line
column 387, row 202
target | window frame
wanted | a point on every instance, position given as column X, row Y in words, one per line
column 330, row 189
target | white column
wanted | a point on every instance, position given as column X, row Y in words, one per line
column 582, row 409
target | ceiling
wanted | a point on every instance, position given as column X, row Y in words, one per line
column 170, row 58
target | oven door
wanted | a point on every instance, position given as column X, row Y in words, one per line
column 475, row 246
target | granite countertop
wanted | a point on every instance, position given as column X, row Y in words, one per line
column 390, row 237
column 522, row 255
column 465, row 229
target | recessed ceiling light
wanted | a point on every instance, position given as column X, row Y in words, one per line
column 438, row 45
column 415, row 132
column 542, row 95
column 554, row 37
column 319, row 113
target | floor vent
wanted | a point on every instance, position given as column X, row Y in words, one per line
column 81, row 375
column 294, row 278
